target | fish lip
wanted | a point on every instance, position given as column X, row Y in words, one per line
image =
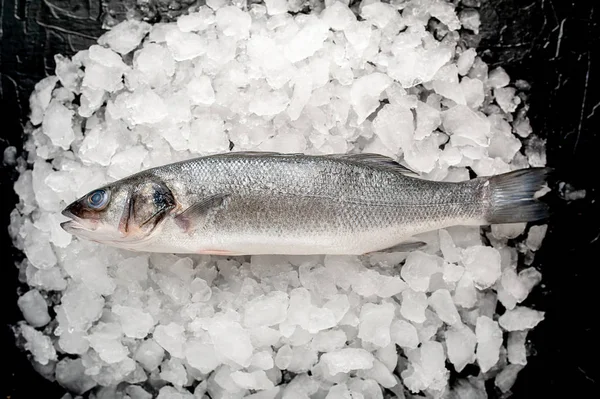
column 76, row 223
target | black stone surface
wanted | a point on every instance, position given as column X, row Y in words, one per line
column 554, row 45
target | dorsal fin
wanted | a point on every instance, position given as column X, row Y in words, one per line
column 378, row 160
column 375, row 160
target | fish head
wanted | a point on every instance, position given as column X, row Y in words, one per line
column 123, row 214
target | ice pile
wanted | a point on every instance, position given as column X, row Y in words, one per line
column 377, row 77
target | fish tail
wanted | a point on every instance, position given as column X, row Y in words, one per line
column 513, row 196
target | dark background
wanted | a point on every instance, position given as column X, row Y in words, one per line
column 554, row 45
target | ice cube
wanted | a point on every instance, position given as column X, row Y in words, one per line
column 40, row 98
column 231, row 340
column 465, row 126
column 149, row 354
column 520, row 318
column 196, row 21
column 73, row 342
column 489, row 341
column 106, row 340
column 394, row 125
column 465, row 294
column 127, row 162
column 155, row 63
column 441, row 302
column 484, row 265
column 307, row 40
column 365, row 93
column 200, row 91
column 498, row 78
column 460, row 343
column 507, row 377
column 379, row 14
column 445, row 83
column 126, row 36
column 277, row 7
column 536, row 236
column 426, row 368
column 329, row 340
column 185, row 45
column 173, row 371
column 517, row 353
column 345, row 360
column 465, row 61
column 98, row 146
column 135, row 322
column 469, row 19
column 256, row 380
column 337, row 15
column 38, row 344
column 70, row 373
column 266, row 310
column 171, row 338
column 508, row 231
column 428, row 119
column 80, row 306
column 413, row 305
column 233, row 22
column 419, row 268
column 404, row 334
column 57, row 124
column 472, row 91
column 375, row 321
column 34, row 308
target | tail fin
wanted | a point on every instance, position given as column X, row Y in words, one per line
column 512, row 196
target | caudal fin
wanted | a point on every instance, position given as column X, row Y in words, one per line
column 513, row 199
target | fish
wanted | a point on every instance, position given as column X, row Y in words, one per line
column 258, row 203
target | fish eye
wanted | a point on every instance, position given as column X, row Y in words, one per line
column 98, row 199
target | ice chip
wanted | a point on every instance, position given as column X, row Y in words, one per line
column 149, row 354
column 517, row 352
column 426, row 368
column 520, row 318
column 375, row 321
column 536, row 236
column 126, row 36
column 185, row 45
column 404, row 334
column 460, row 343
column 489, row 341
column 38, row 344
column 418, row 269
column 507, row 377
column 498, row 78
column 57, row 125
column 40, row 98
column 337, row 15
column 413, row 305
column 307, row 41
column 231, row 340
column 256, row 380
column 441, row 302
column 34, row 308
column 346, row 360
column 394, row 125
column 171, row 338
column 135, row 322
column 200, row 91
column 233, row 22
column 484, row 265
column 106, row 341
column 465, row 126
column 465, row 61
column 266, row 310
column 70, row 373
column 365, row 92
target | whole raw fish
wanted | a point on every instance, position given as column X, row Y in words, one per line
column 246, row 203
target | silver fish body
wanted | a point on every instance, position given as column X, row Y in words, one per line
column 268, row 203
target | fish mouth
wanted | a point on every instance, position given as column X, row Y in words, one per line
column 76, row 224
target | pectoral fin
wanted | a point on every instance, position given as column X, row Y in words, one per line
column 196, row 213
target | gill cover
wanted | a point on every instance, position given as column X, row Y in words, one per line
column 146, row 205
